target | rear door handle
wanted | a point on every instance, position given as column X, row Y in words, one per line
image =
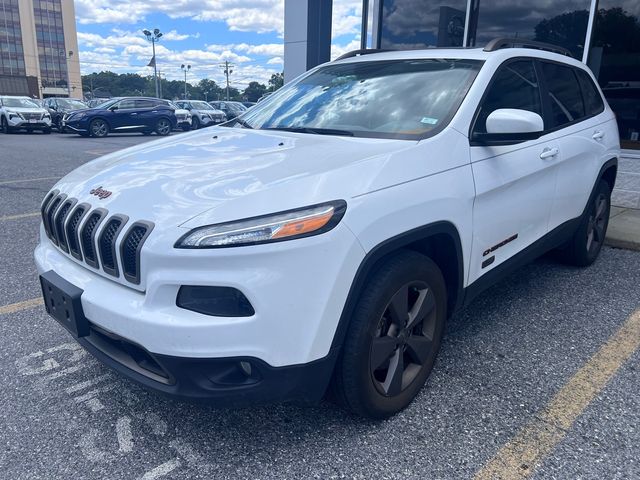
column 549, row 152
column 598, row 135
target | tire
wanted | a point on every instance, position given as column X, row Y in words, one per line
column 195, row 123
column 163, row 127
column 4, row 125
column 98, row 128
column 187, row 128
column 381, row 337
column 46, row 131
column 146, row 133
column 583, row 249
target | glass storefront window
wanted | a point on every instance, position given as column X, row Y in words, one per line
column 560, row 23
column 411, row 24
column 614, row 58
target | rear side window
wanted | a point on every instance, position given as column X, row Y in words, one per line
column 564, row 94
column 514, row 85
column 593, row 104
column 145, row 103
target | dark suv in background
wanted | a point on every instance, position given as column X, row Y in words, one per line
column 59, row 107
column 127, row 114
column 230, row 109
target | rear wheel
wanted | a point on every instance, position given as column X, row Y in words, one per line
column 163, row 127
column 393, row 338
column 587, row 241
column 98, row 128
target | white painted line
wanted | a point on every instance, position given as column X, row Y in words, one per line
column 8, row 182
column 18, row 217
column 94, row 404
column 87, row 383
column 64, row 372
column 123, row 432
column 93, row 393
column 163, row 469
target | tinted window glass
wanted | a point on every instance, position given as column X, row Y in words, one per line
column 592, row 100
column 564, row 93
column 515, row 85
column 144, row 103
column 126, row 104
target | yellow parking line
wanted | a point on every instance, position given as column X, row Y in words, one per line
column 16, row 307
column 7, row 182
column 22, row 215
column 519, row 458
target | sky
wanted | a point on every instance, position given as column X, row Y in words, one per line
column 200, row 33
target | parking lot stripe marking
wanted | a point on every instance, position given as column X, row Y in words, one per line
column 16, row 307
column 87, row 383
column 24, row 180
column 162, row 469
column 19, row 216
column 64, row 372
column 519, row 458
column 93, row 393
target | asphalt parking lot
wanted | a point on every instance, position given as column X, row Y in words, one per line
column 532, row 380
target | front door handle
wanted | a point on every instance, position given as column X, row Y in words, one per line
column 598, row 135
column 549, row 152
column 134, row 113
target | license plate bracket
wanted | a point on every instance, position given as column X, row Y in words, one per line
column 62, row 301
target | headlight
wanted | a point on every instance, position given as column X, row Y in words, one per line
column 76, row 116
column 302, row 222
column 46, row 115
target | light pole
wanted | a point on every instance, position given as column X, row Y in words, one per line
column 154, row 37
column 185, row 69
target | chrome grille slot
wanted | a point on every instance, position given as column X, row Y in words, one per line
column 130, row 250
column 87, row 236
column 58, row 224
column 71, row 230
column 107, row 243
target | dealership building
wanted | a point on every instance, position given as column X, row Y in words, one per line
column 604, row 34
column 39, row 49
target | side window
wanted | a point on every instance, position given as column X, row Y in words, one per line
column 144, row 104
column 564, row 94
column 593, row 104
column 514, row 85
column 124, row 104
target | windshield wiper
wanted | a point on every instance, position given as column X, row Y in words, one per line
column 317, row 131
column 243, row 123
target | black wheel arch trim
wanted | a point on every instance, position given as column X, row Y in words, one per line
column 387, row 247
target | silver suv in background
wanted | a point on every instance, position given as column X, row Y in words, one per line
column 202, row 114
column 17, row 113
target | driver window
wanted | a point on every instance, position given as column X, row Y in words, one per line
column 514, row 85
column 124, row 104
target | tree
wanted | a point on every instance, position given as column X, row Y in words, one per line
column 276, row 81
column 254, row 91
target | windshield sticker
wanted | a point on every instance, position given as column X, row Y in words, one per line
column 429, row 120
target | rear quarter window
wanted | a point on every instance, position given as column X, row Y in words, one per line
column 593, row 103
column 564, row 92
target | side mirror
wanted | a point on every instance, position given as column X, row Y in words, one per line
column 508, row 126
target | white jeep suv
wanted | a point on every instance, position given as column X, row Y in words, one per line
column 325, row 236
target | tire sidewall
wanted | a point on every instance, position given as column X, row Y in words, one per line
column 91, row 128
column 364, row 324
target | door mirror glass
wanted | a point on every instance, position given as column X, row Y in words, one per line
column 507, row 126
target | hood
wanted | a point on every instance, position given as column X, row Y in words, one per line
column 26, row 109
column 234, row 172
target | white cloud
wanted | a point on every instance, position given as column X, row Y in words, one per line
column 275, row 61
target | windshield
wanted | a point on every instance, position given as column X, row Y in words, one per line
column 201, row 106
column 108, row 103
column 18, row 102
column 407, row 99
column 71, row 104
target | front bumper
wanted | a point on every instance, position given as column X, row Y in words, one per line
column 17, row 122
column 77, row 126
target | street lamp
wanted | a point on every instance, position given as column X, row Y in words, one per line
column 185, row 69
column 153, row 37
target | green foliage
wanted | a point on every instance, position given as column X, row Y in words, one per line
column 110, row 84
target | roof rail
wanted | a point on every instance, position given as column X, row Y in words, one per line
column 500, row 43
column 362, row 51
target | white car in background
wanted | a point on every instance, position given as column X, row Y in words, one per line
column 325, row 236
column 184, row 119
column 22, row 113
column 202, row 113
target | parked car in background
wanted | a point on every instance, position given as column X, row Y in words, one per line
column 21, row 113
column 230, row 109
column 59, row 107
column 127, row 114
column 37, row 101
column 248, row 104
column 184, row 118
column 202, row 113
column 97, row 101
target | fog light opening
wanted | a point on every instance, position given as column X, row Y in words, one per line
column 246, row 368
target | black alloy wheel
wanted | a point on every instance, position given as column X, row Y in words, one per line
column 163, row 127
column 98, row 128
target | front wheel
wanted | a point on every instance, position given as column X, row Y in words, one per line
column 98, row 128
column 46, row 131
column 4, row 125
column 393, row 338
column 163, row 127
column 587, row 241
column 195, row 123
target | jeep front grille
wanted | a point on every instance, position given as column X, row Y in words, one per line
column 77, row 230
